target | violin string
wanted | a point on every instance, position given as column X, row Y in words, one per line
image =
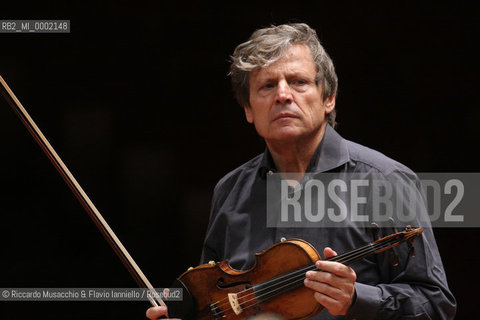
column 298, row 276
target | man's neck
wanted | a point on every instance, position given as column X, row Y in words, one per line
column 295, row 156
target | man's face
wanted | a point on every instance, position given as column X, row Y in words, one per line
column 285, row 102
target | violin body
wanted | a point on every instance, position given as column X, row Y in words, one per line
column 219, row 291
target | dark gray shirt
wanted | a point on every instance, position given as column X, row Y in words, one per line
column 415, row 289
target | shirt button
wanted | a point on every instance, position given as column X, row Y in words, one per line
column 270, row 172
column 282, row 239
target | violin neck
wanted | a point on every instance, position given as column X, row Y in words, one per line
column 371, row 248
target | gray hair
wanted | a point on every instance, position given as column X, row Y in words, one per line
column 268, row 45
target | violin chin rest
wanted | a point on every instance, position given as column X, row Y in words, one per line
column 184, row 308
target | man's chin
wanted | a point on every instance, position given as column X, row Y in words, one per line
column 293, row 134
column 286, row 135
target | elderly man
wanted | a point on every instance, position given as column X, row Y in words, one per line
column 286, row 83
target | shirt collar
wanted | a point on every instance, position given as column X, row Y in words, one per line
column 267, row 164
column 331, row 153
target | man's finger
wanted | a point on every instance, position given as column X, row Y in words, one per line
column 336, row 268
column 328, row 252
column 335, row 307
column 156, row 312
column 322, row 287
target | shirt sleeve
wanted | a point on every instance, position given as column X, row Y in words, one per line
column 212, row 238
column 419, row 291
column 416, row 288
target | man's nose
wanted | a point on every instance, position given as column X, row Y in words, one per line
column 284, row 93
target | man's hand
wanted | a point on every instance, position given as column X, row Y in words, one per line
column 155, row 313
column 333, row 284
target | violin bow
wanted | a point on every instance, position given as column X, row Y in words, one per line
column 80, row 194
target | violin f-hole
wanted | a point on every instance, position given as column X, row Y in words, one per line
column 222, row 285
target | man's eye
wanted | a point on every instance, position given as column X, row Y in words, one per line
column 300, row 82
column 267, row 86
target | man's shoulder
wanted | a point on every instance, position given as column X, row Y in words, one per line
column 241, row 173
column 375, row 159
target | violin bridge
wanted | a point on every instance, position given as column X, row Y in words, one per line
column 233, row 299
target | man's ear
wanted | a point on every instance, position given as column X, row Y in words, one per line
column 248, row 113
column 329, row 104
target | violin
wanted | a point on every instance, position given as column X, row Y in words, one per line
column 215, row 290
column 274, row 285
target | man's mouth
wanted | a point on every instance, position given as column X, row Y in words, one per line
column 284, row 115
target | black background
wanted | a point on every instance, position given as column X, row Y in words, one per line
column 137, row 102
